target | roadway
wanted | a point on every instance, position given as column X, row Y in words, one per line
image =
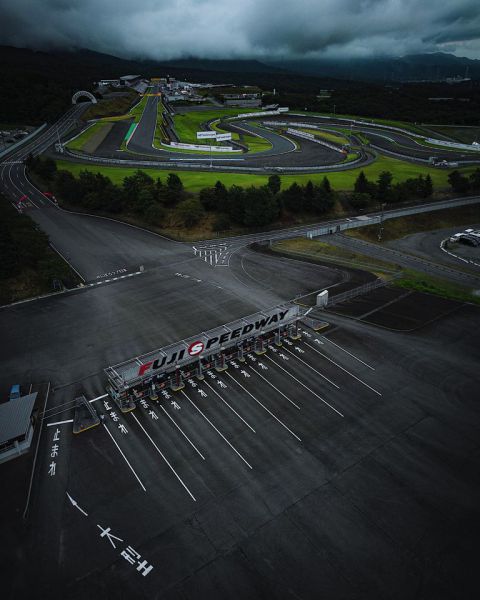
column 347, row 468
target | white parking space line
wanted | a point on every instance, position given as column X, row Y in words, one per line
column 125, row 458
column 275, row 388
column 349, row 353
column 164, row 458
column 98, row 398
column 265, row 408
column 183, row 433
column 219, row 433
column 59, row 422
column 306, row 387
column 230, row 407
column 310, row 367
column 343, row 369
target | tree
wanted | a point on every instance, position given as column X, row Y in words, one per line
column 175, row 192
column 145, row 198
column 221, row 194
column 475, row 180
column 359, row 201
column 459, row 183
column 325, row 185
column 134, row 183
column 66, row 186
column 221, row 223
column 384, row 184
column 426, row 187
column 293, row 198
column 154, row 214
column 274, row 184
column 190, row 211
column 362, row 185
column 261, row 207
column 208, row 199
column 235, row 208
column 46, row 168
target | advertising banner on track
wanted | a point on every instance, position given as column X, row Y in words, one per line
column 221, row 137
column 202, row 135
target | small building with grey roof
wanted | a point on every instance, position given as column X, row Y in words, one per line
column 16, row 426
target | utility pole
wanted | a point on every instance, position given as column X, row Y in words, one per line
column 380, row 231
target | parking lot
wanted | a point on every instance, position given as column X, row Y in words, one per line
column 322, row 468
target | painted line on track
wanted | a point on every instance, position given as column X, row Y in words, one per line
column 306, row 387
column 98, row 398
column 183, row 433
column 230, row 407
column 265, row 408
column 59, row 422
column 124, row 458
column 219, row 433
column 275, row 388
column 349, row 353
column 312, row 368
column 165, row 459
column 343, row 369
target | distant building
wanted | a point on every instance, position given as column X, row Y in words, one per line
column 16, row 426
column 130, row 80
column 242, row 100
column 106, row 82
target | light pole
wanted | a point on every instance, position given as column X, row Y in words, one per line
column 380, row 231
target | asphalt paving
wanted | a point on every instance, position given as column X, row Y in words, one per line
column 427, row 244
column 342, row 465
column 453, row 272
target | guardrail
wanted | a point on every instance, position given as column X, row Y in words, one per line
column 391, row 214
column 197, row 166
column 360, row 291
column 310, row 137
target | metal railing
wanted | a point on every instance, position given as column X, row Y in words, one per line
column 366, row 288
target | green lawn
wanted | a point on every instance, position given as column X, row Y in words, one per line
column 79, row 142
column 187, row 124
column 411, row 280
column 135, row 112
column 327, row 136
column 340, row 180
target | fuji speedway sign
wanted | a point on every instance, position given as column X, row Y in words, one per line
column 168, row 358
column 215, row 342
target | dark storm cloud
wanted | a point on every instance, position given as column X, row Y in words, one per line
column 244, row 28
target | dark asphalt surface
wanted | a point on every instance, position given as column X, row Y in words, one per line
column 430, row 265
column 281, row 153
column 426, row 244
column 381, row 502
column 342, row 466
column 387, row 139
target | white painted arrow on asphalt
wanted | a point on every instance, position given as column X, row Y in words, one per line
column 75, row 504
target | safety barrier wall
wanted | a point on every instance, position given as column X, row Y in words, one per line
column 456, row 145
column 312, row 138
column 201, row 147
column 187, row 165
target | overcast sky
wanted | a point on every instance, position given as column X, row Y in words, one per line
column 163, row 29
